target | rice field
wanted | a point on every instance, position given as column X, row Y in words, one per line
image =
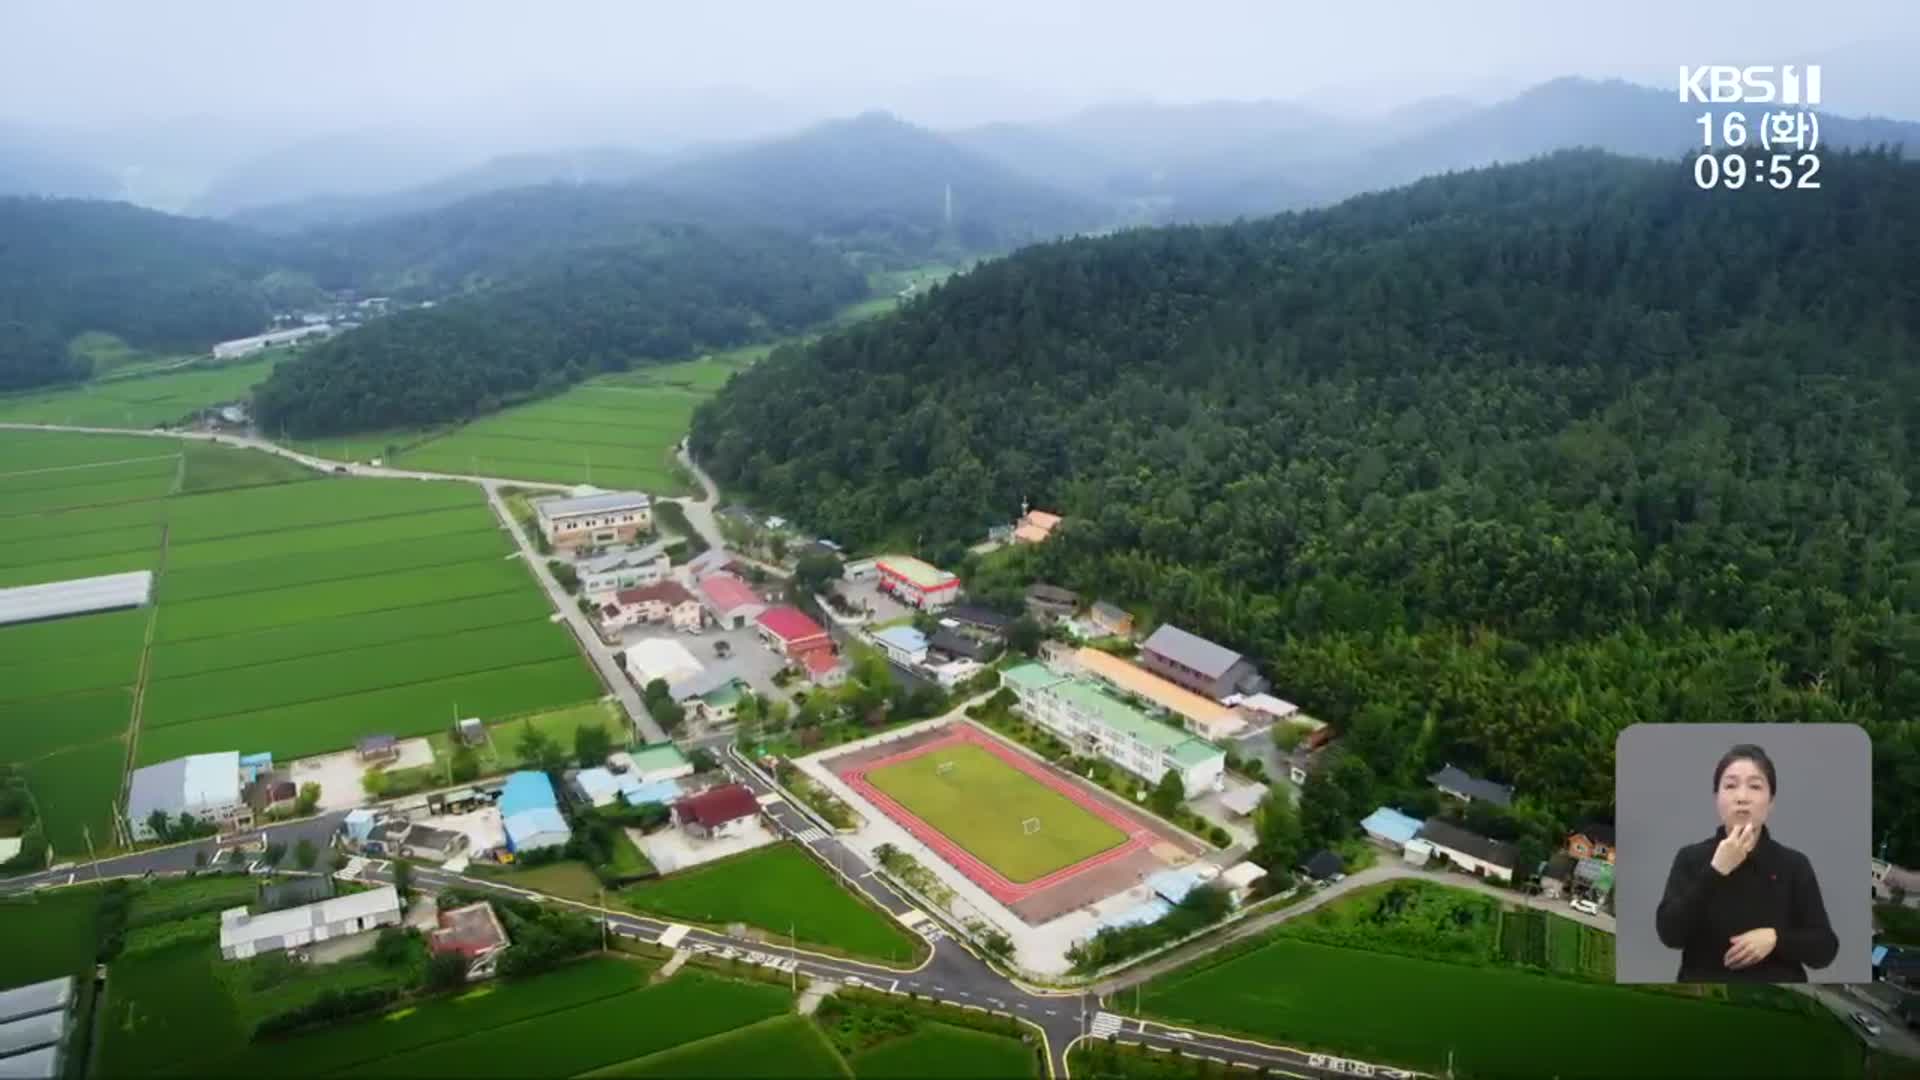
column 140, row 402
column 293, row 612
column 617, row 431
column 784, row 1048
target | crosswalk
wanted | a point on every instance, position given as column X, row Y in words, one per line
column 1105, row 1025
column 811, row 834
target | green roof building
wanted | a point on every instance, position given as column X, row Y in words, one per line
column 1091, row 719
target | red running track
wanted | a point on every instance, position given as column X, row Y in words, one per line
column 997, row 885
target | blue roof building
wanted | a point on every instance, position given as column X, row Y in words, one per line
column 665, row 792
column 531, row 813
column 1391, row 827
column 903, row 644
column 1173, row 885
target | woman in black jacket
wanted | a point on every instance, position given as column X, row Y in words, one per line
column 1742, row 905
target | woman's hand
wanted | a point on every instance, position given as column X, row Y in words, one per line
column 1751, row 947
column 1735, row 848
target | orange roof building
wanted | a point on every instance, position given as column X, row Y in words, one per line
column 1203, row 716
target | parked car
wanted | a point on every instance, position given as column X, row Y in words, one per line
column 722, row 649
column 1867, row 1024
column 1587, row 906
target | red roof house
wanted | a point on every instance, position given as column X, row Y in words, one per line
column 820, row 664
column 474, row 932
column 731, row 600
column 790, row 632
column 717, row 812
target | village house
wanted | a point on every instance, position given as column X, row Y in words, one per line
column 662, row 602
column 1470, row 851
column 731, row 601
column 1111, row 619
column 1035, row 527
column 1592, row 840
column 1460, row 784
column 717, row 812
column 789, row 632
column 474, row 932
column 1050, row 603
column 603, row 576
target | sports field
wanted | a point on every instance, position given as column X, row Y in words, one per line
column 292, row 613
column 1498, row 1022
column 781, row 890
column 1001, row 814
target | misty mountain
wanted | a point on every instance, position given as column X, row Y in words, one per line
column 1226, row 160
column 590, row 165
column 30, row 166
column 158, row 281
column 342, row 163
column 875, row 182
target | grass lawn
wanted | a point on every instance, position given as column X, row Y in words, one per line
column 689, row 1006
column 776, row 888
column 570, row 878
column 501, row 752
column 943, row 1052
column 785, row 1047
column 981, row 803
column 489, row 1006
column 1499, row 1022
column 48, row 934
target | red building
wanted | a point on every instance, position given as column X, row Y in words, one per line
column 789, row 632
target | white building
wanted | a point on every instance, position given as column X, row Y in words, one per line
column 602, row 577
column 1469, row 851
column 1094, row 722
column 660, row 658
column 228, row 350
column 243, row 935
column 204, row 785
column 903, row 645
column 614, row 517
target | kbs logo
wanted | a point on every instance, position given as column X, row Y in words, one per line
column 1787, row 84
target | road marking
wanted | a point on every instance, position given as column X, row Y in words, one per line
column 911, row 916
column 1105, row 1025
column 810, row 835
column 673, row 935
column 1053, row 1012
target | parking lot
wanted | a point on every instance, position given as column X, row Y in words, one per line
column 885, row 608
column 748, row 657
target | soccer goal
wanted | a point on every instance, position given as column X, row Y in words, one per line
column 943, row 768
column 1030, row 826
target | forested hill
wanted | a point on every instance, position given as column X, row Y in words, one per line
column 876, row 184
column 599, row 310
column 1483, row 470
column 69, row 265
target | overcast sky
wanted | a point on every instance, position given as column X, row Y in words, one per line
column 340, row 63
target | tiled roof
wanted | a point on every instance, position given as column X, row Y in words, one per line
column 1473, row 787
column 1192, row 650
column 790, row 623
column 726, row 592
column 668, row 592
column 720, row 805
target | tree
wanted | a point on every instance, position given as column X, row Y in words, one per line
column 390, row 949
column 446, row 971
column 161, row 824
column 1278, row 832
column 274, row 853
column 1168, row 794
column 403, row 880
column 307, row 800
column 1287, row 735
column 305, row 854
column 591, row 745
column 465, row 764
column 537, row 748
column 777, row 547
column 565, row 575
column 815, row 571
column 1025, row 636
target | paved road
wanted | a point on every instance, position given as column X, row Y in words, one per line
column 180, row 857
column 596, row 651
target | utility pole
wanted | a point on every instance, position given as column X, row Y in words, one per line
column 793, row 953
column 87, row 832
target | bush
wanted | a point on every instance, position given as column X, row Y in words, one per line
column 330, row 1006
column 390, row 949
column 305, row 854
column 446, row 971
